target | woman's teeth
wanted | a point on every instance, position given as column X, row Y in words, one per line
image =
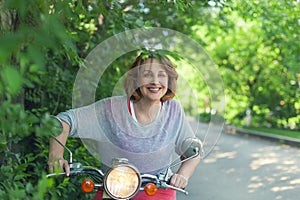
column 154, row 89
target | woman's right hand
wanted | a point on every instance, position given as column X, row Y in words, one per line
column 59, row 164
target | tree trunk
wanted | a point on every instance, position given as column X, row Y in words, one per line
column 9, row 22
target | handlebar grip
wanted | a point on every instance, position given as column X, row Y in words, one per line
column 178, row 189
column 72, row 172
column 55, row 174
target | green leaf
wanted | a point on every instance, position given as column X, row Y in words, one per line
column 3, row 142
column 9, row 43
column 34, row 68
column 12, row 80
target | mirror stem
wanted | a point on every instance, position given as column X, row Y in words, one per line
column 70, row 152
column 182, row 161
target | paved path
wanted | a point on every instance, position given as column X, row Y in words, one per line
column 248, row 169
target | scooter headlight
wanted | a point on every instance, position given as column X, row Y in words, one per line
column 122, row 182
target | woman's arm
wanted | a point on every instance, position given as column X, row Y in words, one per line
column 181, row 178
column 56, row 151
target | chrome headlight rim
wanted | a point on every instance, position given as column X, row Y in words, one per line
column 137, row 174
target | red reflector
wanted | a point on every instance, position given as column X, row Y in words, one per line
column 150, row 189
column 87, row 186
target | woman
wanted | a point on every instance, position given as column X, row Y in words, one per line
column 146, row 126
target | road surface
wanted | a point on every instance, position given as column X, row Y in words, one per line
column 241, row 168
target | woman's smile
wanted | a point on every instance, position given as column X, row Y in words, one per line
column 154, row 89
column 153, row 92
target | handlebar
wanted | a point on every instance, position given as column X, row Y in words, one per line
column 77, row 169
column 98, row 177
column 175, row 188
column 161, row 183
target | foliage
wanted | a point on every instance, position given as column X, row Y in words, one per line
column 258, row 54
column 280, row 132
column 38, row 59
column 204, row 117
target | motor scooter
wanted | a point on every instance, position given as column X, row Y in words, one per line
column 123, row 180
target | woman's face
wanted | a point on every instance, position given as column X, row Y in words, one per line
column 153, row 80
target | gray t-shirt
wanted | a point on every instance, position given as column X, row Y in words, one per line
column 109, row 131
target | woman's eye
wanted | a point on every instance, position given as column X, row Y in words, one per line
column 147, row 75
column 162, row 75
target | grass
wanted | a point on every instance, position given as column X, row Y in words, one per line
column 281, row 132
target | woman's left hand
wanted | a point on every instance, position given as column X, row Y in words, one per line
column 179, row 181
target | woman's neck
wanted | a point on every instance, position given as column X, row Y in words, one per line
column 146, row 111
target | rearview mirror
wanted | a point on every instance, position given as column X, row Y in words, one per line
column 191, row 147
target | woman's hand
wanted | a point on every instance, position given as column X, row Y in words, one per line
column 179, row 181
column 56, row 152
column 181, row 178
column 59, row 164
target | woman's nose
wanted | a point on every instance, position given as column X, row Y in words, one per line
column 155, row 79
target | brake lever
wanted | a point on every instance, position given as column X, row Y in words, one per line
column 55, row 174
column 73, row 171
column 176, row 188
column 166, row 185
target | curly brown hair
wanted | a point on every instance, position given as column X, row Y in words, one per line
column 130, row 82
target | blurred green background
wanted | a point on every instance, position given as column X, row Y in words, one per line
column 254, row 44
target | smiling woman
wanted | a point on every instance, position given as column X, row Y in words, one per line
column 146, row 126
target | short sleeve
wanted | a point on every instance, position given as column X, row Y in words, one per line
column 89, row 122
column 69, row 118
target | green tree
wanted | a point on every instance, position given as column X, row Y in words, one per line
column 257, row 53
